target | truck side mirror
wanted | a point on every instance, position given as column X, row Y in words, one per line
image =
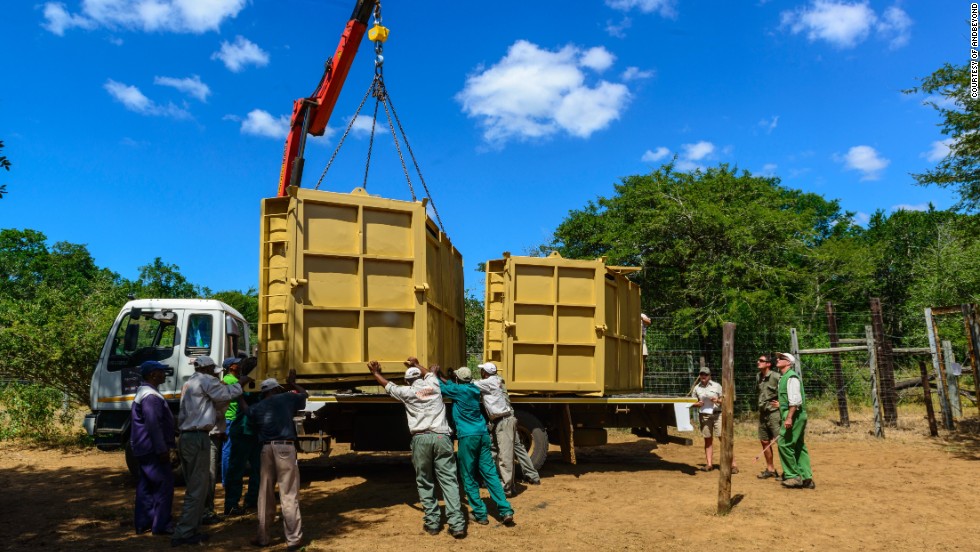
column 132, row 337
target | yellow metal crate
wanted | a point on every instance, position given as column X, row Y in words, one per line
column 348, row 278
column 555, row 325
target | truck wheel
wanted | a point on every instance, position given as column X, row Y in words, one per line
column 533, row 434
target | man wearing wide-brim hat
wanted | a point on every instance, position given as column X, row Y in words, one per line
column 793, row 454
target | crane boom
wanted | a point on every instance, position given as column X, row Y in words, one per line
column 310, row 115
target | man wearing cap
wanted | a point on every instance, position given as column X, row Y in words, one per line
column 219, row 436
column 474, row 447
column 241, row 449
column 767, row 385
column 272, row 422
column 151, row 438
column 793, row 453
column 709, row 396
column 432, row 447
column 200, row 399
column 506, row 444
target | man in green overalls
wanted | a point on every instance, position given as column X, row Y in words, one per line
column 792, row 410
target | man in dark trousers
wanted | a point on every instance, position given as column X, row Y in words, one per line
column 767, row 385
column 152, row 435
column 272, row 421
column 474, row 447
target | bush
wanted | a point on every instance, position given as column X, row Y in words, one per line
column 32, row 411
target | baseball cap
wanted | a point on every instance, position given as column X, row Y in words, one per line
column 787, row 356
column 268, row 385
column 464, row 374
column 705, row 370
column 229, row 361
column 151, row 366
column 203, row 361
column 412, row 372
column 488, row 367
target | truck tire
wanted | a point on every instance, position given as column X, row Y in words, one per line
column 533, row 434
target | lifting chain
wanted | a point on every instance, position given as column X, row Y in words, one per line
column 377, row 89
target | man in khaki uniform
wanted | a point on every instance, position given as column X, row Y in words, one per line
column 709, row 395
column 767, row 385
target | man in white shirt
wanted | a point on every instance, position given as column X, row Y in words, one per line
column 793, row 454
column 432, row 445
column 506, row 444
column 200, row 399
column 709, row 394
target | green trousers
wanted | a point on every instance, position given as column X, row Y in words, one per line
column 793, row 454
column 475, row 457
column 434, row 460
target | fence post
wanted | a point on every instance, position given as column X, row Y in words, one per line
column 927, row 396
column 971, row 317
column 838, row 371
column 727, row 418
column 879, row 430
column 952, row 382
column 886, row 368
column 937, row 366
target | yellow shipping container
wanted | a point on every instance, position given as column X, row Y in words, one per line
column 555, row 325
column 348, row 278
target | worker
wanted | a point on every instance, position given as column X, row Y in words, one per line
column 241, row 450
column 767, row 385
column 644, row 324
column 474, row 447
column 272, row 421
column 506, row 444
column 232, row 368
column 793, row 454
column 709, row 396
column 219, row 436
column 198, row 413
column 432, row 447
column 152, row 434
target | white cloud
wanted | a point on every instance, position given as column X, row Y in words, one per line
column 866, row 160
column 534, row 93
column 665, row 8
column 362, row 126
column 769, row 169
column 698, row 151
column 908, row 207
column 652, row 156
column 942, row 102
column 180, row 16
column 769, row 124
column 192, row 86
column 58, row 20
column 842, row 24
column 134, row 100
column 597, row 59
column 242, row 52
column 635, row 73
column 261, row 123
column 861, row 219
column 939, row 151
column 894, row 27
column 618, row 28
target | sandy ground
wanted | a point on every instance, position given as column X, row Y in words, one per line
column 906, row 492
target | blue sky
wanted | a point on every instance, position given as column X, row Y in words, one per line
column 147, row 128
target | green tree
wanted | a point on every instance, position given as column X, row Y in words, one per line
column 960, row 114
column 162, row 280
column 473, row 314
column 247, row 304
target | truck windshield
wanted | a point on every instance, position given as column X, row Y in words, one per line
column 155, row 341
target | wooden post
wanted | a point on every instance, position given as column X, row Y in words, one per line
column 886, row 366
column 879, row 430
column 927, row 396
column 566, row 435
column 971, row 318
column 838, row 370
column 727, row 418
column 952, row 382
column 937, row 367
column 794, row 348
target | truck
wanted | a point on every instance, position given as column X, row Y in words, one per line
column 345, row 278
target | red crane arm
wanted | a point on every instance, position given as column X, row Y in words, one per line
column 310, row 115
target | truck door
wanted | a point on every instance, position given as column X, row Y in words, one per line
column 140, row 336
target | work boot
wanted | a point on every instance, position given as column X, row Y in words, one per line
column 481, row 521
column 793, row 483
column 809, row 484
column 766, row 474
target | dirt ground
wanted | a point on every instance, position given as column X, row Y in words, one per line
column 906, row 492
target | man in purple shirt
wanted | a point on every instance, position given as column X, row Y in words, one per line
column 152, row 437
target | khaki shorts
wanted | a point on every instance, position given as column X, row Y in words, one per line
column 710, row 425
column 769, row 425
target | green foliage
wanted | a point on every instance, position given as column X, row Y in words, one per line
column 162, row 280
column 960, row 115
column 247, row 304
column 473, row 315
column 30, row 411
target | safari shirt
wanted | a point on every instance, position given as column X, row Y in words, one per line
column 768, row 388
column 707, row 392
column 424, row 408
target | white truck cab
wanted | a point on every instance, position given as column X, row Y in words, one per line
column 171, row 331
